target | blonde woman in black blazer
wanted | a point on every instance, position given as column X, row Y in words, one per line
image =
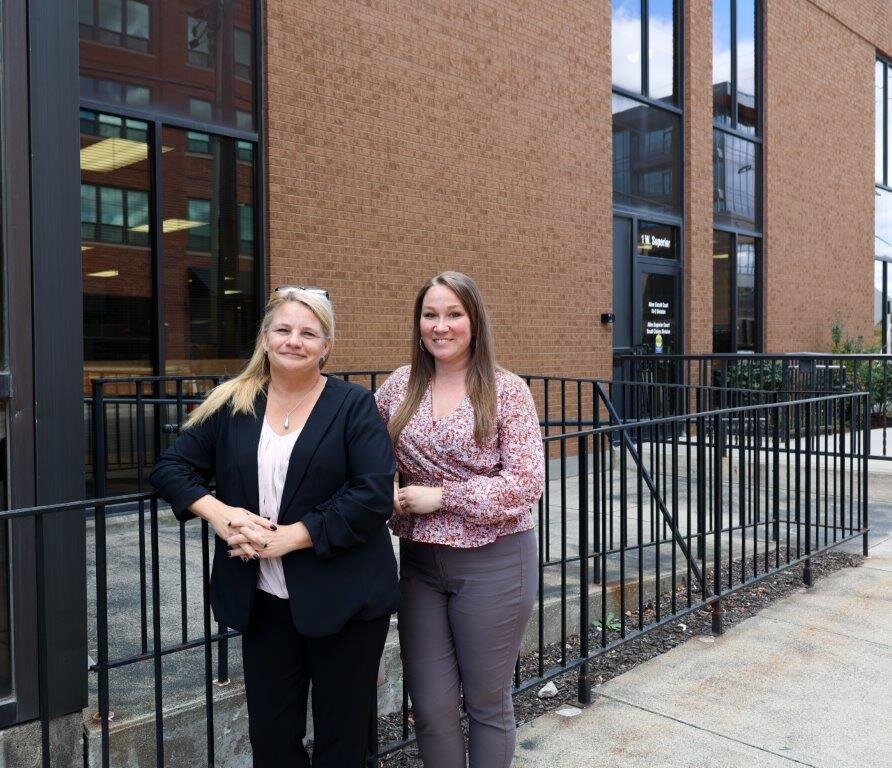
column 311, row 584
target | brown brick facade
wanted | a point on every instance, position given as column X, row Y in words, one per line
column 407, row 138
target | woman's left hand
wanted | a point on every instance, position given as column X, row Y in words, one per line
column 419, row 499
column 268, row 544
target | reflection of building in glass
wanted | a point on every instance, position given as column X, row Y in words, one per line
column 195, row 63
column 646, row 156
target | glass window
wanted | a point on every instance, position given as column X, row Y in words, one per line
column 198, row 42
column 215, row 40
column 115, row 256
column 721, row 292
column 646, row 156
column 657, row 241
column 736, row 169
column 198, row 214
column 747, row 96
column 879, row 118
column 659, row 331
column 721, row 61
column 243, row 54
column 201, row 110
column 245, row 152
column 626, row 44
column 5, row 638
column 661, row 49
column 883, row 232
column 746, row 294
column 888, row 125
column 198, row 143
column 246, row 228
column 209, row 294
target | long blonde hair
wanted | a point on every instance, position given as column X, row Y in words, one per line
column 480, row 378
column 240, row 393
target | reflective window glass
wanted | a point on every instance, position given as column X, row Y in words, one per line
column 883, row 232
column 721, row 292
column 202, row 51
column 747, row 96
column 115, row 253
column 888, row 125
column 657, row 241
column 661, row 50
column 626, row 44
column 646, row 156
column 721, row 61
column 659, row 313
column 209, row 270
column 879, row 132
column 5, row 637
column 746, row 294
column 736, row 170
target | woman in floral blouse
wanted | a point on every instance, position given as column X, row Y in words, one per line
column 470, row 457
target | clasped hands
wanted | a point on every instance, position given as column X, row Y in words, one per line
column 252, row 537
column 416, row 500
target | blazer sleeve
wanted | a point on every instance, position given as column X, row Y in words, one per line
column 184, row 471
column 364, row 503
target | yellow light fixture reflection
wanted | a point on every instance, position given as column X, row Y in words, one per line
column 104, row 273
column 86, row 248
column 171, row 225
column 230, row 292
column 114, row 153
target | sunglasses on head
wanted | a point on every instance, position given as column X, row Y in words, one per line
column 308, row 288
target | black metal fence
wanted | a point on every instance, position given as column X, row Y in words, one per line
column 691, row 494
column 787, row 375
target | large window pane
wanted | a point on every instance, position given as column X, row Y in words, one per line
column 209, row 276
column 657, row 241
column 5, row 646
column 888, row 125
column 736, row 171
column 879, row 132
column 746, row 294
column 646, row 156
column 721, row 61
column 193, row 51
column 883, row 233
column 115, row 246
column 721, row 292
column 661, row 49
column 747, row 98
column 626, row 44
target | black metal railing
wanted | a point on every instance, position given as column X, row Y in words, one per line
column 788, row 375
column 641, row 522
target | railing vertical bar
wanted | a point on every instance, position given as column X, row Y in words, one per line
column 141, row 519
column 100, row 486
column 563, row 460
column 584, row 688
column 806, row 571
column 547, row 491
column 674, row 432
column 541, row 531
column 864, row 462
column 718, row 451
column 208, row 649
column 622, row 535
column 156, row 634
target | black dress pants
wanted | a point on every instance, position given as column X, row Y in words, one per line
column 279, row 665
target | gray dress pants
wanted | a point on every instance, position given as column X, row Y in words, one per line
column 462, row 619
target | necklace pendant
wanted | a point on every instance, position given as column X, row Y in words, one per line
column 285, row 423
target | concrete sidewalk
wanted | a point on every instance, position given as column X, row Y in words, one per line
column 808, row 681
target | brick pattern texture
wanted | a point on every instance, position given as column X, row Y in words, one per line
column 408, row 138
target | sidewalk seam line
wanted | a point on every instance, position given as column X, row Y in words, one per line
column 705, row 730
column 828, row 631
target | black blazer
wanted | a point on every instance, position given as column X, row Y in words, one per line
column 339, row 483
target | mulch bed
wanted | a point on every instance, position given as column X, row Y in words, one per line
column 737, row 607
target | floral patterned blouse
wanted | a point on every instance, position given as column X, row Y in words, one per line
column 487, row 490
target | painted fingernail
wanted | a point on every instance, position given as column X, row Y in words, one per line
column 244, row 559
column 256, row 557
column 274, row 527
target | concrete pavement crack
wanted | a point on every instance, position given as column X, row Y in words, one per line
column 707, row 730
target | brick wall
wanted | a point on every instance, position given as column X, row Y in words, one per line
column 819, row 198
column 408, row 138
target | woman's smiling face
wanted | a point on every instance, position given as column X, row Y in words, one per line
column 445, row 326
column 295, row 341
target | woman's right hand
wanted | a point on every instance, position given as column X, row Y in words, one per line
column 228, row 521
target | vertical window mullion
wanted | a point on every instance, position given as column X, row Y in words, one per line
column 733, row 298
column 733, row 21
column 645, row 38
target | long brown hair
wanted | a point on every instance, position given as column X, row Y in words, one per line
column 240, row 393
column 480, row 378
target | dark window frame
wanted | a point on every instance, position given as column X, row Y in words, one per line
column 735, row 234
column 886, row 181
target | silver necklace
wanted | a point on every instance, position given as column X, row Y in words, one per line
column 295, row 407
